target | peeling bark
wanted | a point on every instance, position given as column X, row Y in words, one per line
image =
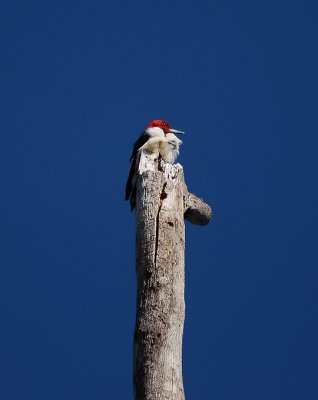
column 162, row 204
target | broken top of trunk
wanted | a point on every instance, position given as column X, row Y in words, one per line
column 194, row 209
column 163, row 201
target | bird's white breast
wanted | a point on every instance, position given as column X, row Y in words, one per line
column 169, row 148
column 166, row 144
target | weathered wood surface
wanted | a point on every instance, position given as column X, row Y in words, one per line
column 162, row 204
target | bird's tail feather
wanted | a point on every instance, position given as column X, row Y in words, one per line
column 131, row 181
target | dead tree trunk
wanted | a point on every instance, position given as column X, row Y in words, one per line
column 163, row 202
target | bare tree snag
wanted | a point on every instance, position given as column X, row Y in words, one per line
column 162, row 204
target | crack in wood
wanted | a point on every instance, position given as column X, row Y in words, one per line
column 163, row 196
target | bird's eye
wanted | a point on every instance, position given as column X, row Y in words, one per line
column 164, row 124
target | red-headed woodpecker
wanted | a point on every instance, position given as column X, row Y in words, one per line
column 158, row 137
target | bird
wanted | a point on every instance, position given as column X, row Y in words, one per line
column 158, row 137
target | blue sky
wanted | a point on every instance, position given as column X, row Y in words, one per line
column 79, row 82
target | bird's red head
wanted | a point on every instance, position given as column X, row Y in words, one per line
column 160, row 124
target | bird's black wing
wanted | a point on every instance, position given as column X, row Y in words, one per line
column 143, row 138
column 134, row 161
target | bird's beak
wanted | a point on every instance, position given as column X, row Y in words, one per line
column 175, row 132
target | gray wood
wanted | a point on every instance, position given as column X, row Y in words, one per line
column 162, row 204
